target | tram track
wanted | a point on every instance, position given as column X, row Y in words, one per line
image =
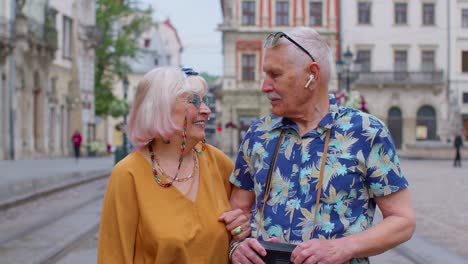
column 40, row 229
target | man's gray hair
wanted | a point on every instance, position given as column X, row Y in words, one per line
column 313, row 42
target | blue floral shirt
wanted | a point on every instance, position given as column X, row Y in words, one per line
column 361, row 164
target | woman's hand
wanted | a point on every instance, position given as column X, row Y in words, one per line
column 237, row 223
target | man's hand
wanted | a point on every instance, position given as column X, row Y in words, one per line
column 321, row 251
column 237, row 223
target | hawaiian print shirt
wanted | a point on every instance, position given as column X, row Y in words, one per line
column 361, row 164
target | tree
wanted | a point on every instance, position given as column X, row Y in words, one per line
column 120, row 24
column 209, row 78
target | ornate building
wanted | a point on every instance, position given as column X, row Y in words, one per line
column 402, row 50
column 246, row 23
column 47, row 76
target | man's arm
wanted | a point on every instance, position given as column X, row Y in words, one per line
column 397, row 226
column 242, row 199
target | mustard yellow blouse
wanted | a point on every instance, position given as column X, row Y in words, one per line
column 141, row 222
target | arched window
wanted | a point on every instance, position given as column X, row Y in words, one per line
column 426, row 124
column 395, row 125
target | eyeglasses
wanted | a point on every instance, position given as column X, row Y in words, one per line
column 272, row 40
column 196, row 101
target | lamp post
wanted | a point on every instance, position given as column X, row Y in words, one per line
column 124, row 134
column 344, row 67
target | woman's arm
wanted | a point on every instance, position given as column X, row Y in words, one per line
column 119, row 219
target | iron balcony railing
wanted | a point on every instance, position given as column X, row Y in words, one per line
column 43, row 32
column 413, row 78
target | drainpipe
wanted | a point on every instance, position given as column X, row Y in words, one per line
column 12, row 80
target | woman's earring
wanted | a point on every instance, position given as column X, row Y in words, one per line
column 203, row 148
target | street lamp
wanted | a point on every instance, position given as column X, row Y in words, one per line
column 344, row 67
column 124, row 134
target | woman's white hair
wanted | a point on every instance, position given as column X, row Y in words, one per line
column 155, row 98
column 310, row 40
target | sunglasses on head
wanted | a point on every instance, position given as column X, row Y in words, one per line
column 273, row 39
column 196, row 100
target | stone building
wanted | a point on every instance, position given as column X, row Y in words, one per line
column 402, row 51
column 245, row 25
column 71, row 93
column 39, row 66
column 458, row 59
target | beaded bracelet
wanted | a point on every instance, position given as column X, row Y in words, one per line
column 233, row 247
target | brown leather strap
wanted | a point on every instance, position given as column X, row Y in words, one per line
column 320, row 182
column 271, row 169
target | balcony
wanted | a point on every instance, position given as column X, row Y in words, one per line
column 6, row 38
column 399, row 78
column 43, row 33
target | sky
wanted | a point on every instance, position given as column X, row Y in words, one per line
column 196, row 22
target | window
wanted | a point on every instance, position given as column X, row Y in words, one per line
column 464, row 17
column 427, row 63
column 147, row 43
column 426, row 123
column 364, row 13
column 464, row 61
column 248, row 67
column 156, row 62
column 401, row 65
column 67, row 37
column 248, row 13
column 401, row 13
column 364, row 58
column 401, row 62
column 282, row 13
column 315, row 14
column 428, row 14
column 465, row 98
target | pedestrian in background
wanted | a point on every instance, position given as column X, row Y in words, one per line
column 77, row 139
column 313, row 171
column 164, row 199
column 458, row 143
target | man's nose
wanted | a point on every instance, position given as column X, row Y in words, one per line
column 266, row 86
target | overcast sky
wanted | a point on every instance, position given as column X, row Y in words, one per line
column 196, row 22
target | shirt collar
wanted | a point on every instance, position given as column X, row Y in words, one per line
column 324, row 124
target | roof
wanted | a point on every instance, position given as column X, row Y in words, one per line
column 168, row 23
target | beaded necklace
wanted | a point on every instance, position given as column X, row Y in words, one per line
column 180, row 179
column 181, row 158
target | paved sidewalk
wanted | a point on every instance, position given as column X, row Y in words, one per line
column 20, row 179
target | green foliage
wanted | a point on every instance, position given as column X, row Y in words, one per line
column 120, row 25
column 209, row 78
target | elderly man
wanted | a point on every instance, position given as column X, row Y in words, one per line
column 312, row 172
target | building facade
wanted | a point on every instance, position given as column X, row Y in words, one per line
column 458, row 58
column 401, row 51
column 47, row 73
column 246, row 23
column 71, row 93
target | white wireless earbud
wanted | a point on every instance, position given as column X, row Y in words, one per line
column 311, row 78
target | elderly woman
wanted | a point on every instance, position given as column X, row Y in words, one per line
column 166, row 201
